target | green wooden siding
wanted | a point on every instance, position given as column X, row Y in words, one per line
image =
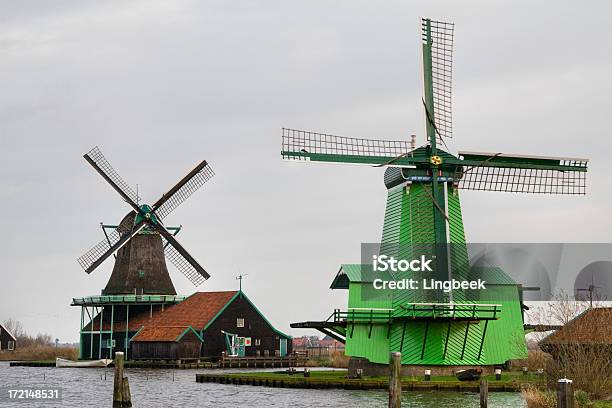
column 408, row 224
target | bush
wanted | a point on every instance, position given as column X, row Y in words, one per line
column 339, row 359
column 588, row 367
column 582, row 399
column 536, row 359
column 537, row 398
column 336, row 359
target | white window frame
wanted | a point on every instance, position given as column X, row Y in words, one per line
column 240, row 322
column 258, row 342
column 11, row 345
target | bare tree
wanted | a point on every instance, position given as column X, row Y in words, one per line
column 14, row 326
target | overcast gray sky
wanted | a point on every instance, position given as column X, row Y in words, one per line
column 161, row 85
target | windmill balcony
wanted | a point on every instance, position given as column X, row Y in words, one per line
column 417, row 311
column 126, row 299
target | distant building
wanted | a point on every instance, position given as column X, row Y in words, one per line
column 207, row 324
column 330, row 343
column 7, row 340
column 314, row 347
column 589, row 329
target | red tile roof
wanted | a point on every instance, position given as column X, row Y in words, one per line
column 160, row 333
column 195, row 311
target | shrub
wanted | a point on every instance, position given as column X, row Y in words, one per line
column 339, row 359
column 537, row 398
column 582, row 399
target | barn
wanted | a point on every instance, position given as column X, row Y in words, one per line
column 214, row 322
column 7, row 340
column 587, row 332
column 167, row 342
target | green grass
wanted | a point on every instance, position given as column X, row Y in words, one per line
column 507, row 378
column 602, row 404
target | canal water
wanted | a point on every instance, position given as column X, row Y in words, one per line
column 87, row 387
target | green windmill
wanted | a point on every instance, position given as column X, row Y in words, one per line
column 466, row 326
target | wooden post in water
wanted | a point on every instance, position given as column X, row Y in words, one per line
column 565, row 393
column 484, row 393
column 395, row 383
column 121, row 387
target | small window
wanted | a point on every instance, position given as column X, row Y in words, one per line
column 258, row 342
column 240, row 322
column 11, row 345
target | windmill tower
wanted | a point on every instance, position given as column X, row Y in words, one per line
column 423, row 216
column 139, row 283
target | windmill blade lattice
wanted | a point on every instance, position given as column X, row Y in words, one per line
column 183, row 189
column 182, row 264
column 101, row 164
column 303, row 145
column 524, row 174
column 441, row 70
column 94, row 255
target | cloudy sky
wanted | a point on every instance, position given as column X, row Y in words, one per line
column 161, row 85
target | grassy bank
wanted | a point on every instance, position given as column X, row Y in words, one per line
column 512, row 381
column 37, row 353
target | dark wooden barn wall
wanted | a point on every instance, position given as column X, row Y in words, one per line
column 187, row 347
column 254, row 327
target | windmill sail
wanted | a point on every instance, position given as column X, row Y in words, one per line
column 102, row 166
column 439, row 36
column 115, row 240
column 183, row 189
column 304, row 145
column 183, row 261
column 522, row 174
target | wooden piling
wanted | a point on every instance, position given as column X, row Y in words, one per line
column 121, row 387
column 565, row 393
column 395, row 383
column 484, row 393
column 127, row 395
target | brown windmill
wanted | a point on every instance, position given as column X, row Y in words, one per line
column 139, row 285
column 141, row 240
